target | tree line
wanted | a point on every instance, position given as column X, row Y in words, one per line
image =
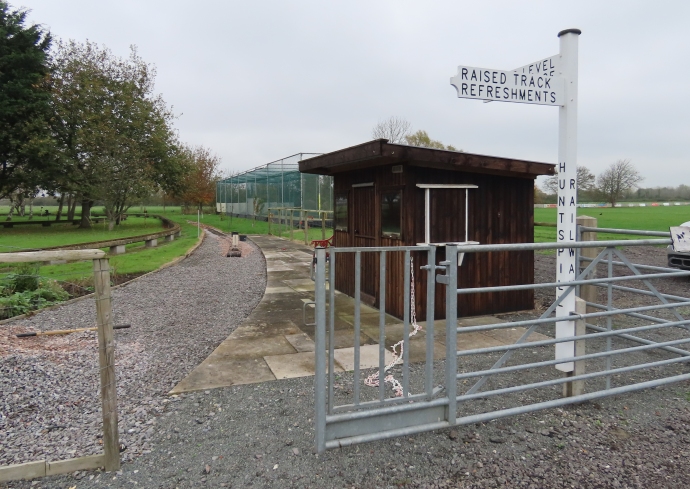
column 618, row 182
column 81, row 124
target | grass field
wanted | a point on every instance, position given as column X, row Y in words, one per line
column 21, row 238
column 140, row 260
column 137, row 260
column 638, row 218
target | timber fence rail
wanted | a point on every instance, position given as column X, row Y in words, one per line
column 627, row 336
column 110, row 458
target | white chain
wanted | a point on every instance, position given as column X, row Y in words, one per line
column 396, row 386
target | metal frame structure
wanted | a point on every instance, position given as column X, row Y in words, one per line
column 277, row 184
column 367, row 417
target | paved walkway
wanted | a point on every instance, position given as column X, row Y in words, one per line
column 274, row 342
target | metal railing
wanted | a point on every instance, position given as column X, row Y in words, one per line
column 512, row 365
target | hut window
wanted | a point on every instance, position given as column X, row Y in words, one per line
column 341, row 212
column 427, row 206
column 391, row 205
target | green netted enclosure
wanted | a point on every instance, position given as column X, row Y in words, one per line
column 276, row 189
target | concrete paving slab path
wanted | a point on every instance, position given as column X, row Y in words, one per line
column 276, row 342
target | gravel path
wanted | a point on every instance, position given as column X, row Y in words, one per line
column 50, row 407
column 262, row 435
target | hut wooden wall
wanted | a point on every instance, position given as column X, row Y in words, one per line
column 364, row 225
column 500, row 211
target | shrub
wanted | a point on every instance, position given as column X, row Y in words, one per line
column 24, row 291
column 25, row 278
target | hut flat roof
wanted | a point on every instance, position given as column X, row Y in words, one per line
column 380, row 152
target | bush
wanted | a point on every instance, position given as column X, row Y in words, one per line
column 14, row 305
column 24, row 291
column 25, row 278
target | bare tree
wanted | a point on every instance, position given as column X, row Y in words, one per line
column 585, row 181
column 617, row 179
column 394, row 129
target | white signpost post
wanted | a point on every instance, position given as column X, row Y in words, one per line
column 549, row 81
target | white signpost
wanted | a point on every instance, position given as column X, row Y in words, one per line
column 549, row 81
column 547, row 66
column 508, row 86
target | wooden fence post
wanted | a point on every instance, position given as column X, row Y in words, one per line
column 106, row 361
column 588, row 292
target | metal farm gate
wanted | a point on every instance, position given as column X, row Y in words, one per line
column 629, row 336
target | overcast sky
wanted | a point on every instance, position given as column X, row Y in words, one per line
column 257, row 81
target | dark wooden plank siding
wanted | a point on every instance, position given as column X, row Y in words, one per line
column 500, row 211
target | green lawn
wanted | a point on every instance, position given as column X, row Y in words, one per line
column 5, row 209
column 639, row 218
column 137, row 259
column 26, row 237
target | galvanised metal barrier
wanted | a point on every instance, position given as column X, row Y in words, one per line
column 516, row 373
column 369, row 413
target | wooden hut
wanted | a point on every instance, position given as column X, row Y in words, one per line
column 397, row 195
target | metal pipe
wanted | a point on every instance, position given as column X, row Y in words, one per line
column 382, row 325
column 557, row 246
column 406, row 327
column 639, row 267
column 358, row 298
column 589, row 356
column 320, row 345
column 386, row 435
column 648, row 293
column 534, row 344
column 625, row 231
column 371, row 249
column 478, row 418
column 572, row 317
column 331, row 334
column 609, row 321
column 427, row 217
column 451, row 332
column 641, row 316
column 503, row 288
column 430, row 304
column 644, row 341
column 403, row 406
column 562, row 380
